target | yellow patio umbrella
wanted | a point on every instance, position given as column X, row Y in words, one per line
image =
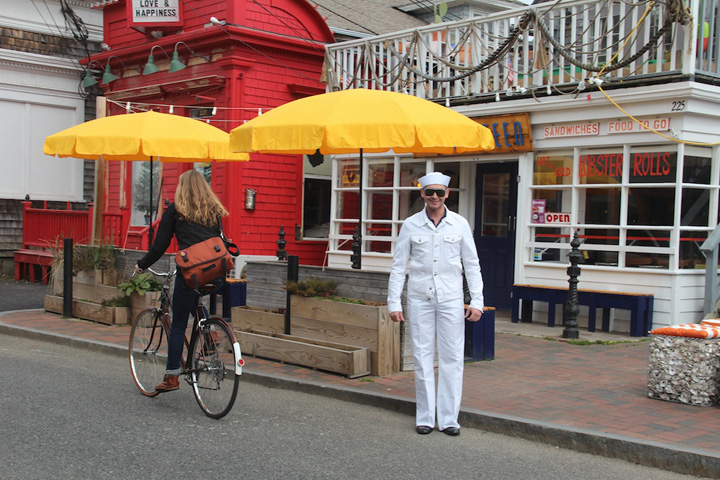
column 145, row 136
column 357, row 121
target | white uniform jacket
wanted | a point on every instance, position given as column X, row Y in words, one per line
column 436, row 256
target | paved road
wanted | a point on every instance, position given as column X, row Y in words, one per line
column 74, row 413
column 20, row 295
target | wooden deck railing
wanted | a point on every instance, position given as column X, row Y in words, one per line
column 548, row 49
column 44, row 228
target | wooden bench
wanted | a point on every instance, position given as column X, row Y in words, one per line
column 25, row 261
column 639, row 304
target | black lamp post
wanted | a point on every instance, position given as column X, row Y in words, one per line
column 571, row 305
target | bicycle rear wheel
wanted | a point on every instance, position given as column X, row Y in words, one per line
column 214, row 358
column 147, row 351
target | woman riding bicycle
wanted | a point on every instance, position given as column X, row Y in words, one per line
column 192, row 218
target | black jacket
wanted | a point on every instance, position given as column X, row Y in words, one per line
column 187, row 233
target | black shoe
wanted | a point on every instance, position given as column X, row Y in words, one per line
column 423, row 429
column 452, row 431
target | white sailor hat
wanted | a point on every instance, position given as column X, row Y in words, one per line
column 434, row 178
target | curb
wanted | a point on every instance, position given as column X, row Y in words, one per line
column 651, row 454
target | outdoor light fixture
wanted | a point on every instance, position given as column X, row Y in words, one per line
column 108, row 75
column 89, row 80
column 150, row 66
column 175, row 64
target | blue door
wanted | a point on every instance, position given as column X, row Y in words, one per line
column 495, row 222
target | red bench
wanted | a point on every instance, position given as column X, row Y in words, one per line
column 27, row 259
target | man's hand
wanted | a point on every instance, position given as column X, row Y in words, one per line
column 137, row 270
column 397, row 317
column 472, row 314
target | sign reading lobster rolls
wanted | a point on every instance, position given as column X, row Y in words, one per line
column 158, row 13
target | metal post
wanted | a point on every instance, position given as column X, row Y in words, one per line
column 67, row 277
column 571, row 305
column 292, row 276
column 281, row 253
column 356, row 257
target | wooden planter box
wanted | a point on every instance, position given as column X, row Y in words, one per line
column 89, row 310
column 343, row 359
column 138, row 302
column 350, row 324
column 252, row 318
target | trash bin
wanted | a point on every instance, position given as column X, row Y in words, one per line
column 480, row 337
column 234, row 294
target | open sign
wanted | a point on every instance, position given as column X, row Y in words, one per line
column 557, row 218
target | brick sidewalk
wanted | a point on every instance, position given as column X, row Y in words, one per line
column 587, row 390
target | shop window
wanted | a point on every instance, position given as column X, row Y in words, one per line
column 600, row 167
column 653, row 165
column 651, row 206
column 690, row 254
column 695, row 207
column 697, row 165
column 553, row 169
column 600, row 206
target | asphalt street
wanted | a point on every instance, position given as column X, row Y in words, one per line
column 75, row 413
column 20, row 295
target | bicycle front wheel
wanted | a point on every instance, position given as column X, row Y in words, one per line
column 147, row 351
column 214, row 358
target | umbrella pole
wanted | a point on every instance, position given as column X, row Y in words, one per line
column 356, row 256
column 150, row 231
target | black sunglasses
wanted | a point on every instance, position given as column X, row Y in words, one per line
column 439, row 191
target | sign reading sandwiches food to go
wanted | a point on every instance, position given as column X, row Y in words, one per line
column 154, row 13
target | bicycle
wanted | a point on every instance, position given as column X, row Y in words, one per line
column 213, row 367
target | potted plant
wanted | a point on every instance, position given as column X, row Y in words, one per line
column 139, row 289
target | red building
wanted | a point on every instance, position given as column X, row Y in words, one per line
column 241, row 57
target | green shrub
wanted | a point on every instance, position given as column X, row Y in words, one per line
column 312, row 287
column 141, row 283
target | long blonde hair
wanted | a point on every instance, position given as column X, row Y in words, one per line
column 195, row 201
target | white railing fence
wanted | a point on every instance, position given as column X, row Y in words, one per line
column 558, row 47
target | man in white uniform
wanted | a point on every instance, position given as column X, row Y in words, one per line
column 438, row 244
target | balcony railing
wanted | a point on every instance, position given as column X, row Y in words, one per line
column 541, row 50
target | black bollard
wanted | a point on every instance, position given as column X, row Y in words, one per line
column 281, row 253
column 67, row 277
column 571, row 305
column 356, row 257
column 292, row 276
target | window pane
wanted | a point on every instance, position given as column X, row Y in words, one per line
column 695, row 207
column 648, row 238
column 380, row 206
column 697, row 169
column 647, row 260
column 553, row 169
column 380, row 174
column 410, row 202
column 347, row 204
column 690, row 254
column 410, row 172
column 553, row 199
column 598, row 236
column 495, row 203
column 602, row 206
column 375, row 230
column 653, row 166
column 600, row 166
column 651, row 206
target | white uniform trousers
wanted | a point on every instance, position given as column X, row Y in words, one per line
column 428, row 319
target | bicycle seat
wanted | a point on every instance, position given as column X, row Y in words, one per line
column 207, row 289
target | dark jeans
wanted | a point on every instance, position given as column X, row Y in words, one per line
column 184, row 302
